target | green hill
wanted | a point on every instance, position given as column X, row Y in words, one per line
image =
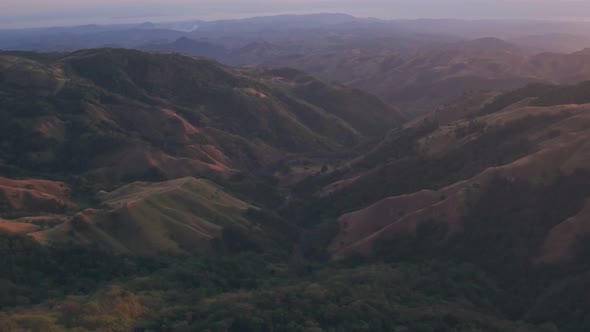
column 145, row 191
column 179, row 216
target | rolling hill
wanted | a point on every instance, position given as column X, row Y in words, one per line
column 128, row 115
column 535, row 140
column 421, row 79
column 175, row 217
column 416, row 75
column 73, row 124
column 155, row 191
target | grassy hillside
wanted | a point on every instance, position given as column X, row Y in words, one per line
column 506, row 191
column 147, row 192
column 175, row 217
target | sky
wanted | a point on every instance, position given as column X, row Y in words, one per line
column 28, row 13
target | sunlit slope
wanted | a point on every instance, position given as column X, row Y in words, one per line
column 179, row 216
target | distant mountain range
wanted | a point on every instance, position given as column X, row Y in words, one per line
column 414, row 65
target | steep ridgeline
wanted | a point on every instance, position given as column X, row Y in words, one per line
column 507, row 189
column 153, row 192
column 419, row 80
column 416, row 78
column 533, row 139
column 101, row 119
column 116, row 114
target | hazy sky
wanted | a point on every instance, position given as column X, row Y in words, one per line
column 17, row 13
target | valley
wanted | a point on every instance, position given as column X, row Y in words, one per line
column 421, row 182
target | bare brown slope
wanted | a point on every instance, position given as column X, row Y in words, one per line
column 33, row 196
column 418, row 81
column 561, row 148
column 17, row 227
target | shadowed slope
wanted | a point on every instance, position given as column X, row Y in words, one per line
column 131, row 115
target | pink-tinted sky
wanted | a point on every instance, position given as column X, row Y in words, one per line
column 37, row 12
